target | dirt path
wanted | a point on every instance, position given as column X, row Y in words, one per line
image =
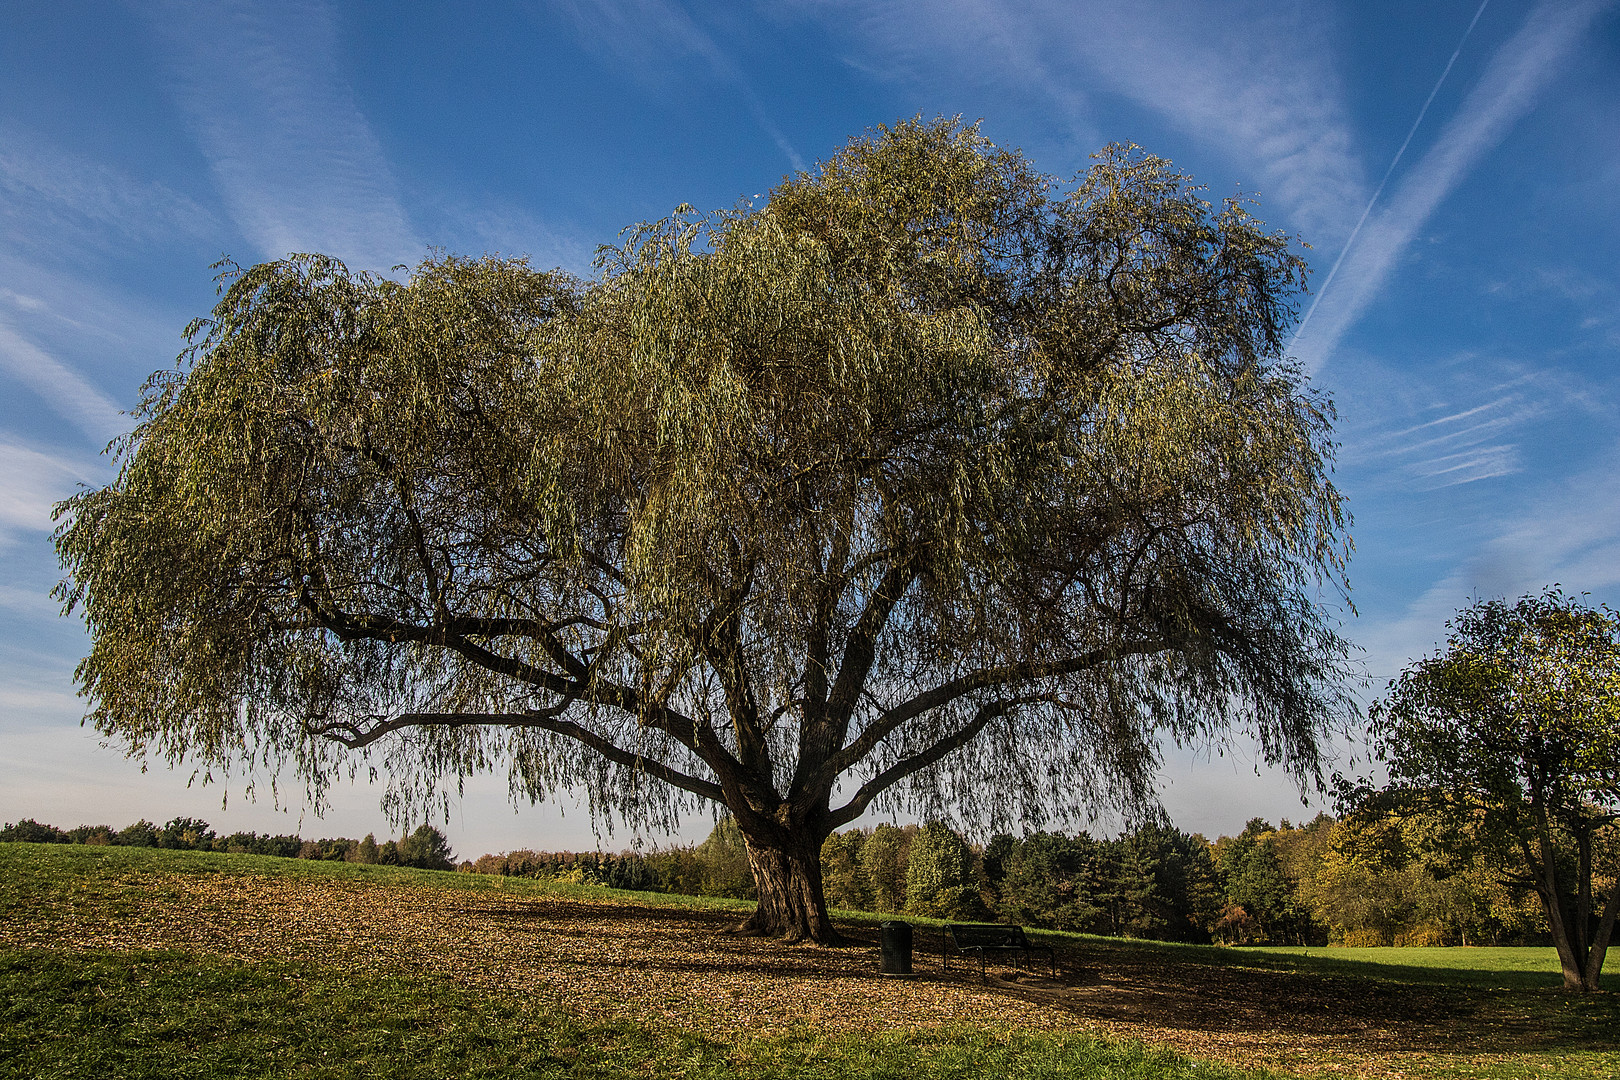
column 618, row 960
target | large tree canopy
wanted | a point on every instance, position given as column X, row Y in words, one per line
column 932, row 482
column 1514, row 728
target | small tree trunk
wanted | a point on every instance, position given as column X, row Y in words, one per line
column 792, row 906
column 1600, row 941
column 1552, row 901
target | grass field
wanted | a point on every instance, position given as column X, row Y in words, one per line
column 145, row 963
column 1503, row 966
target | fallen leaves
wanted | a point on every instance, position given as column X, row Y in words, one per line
column 678, row 966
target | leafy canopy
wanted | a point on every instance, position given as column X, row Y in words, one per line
column 933, row 480
column 1520, row 711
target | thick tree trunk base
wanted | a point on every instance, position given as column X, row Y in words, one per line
column 791, row 906
column 754, row 926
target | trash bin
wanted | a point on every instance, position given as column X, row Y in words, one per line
column 897, row 948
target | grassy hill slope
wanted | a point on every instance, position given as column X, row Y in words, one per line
column 142, row 962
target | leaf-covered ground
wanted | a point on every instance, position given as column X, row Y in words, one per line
column 610, row 960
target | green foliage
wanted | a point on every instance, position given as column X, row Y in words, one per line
column 724, row 857
column 842, row 876
column 824, row 496
column 427, row 849
column 187, row 833
column 939, row 875
column 1265, row 896
column 1176, row 892
column 883, row 864
column 140, row 833
column 1408, row 880
column 1054, row 880
column 29, row 831
column 1513, row 732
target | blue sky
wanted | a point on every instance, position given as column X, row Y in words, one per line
column 1468, row 334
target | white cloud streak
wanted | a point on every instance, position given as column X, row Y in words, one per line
column 1568, row 536
column 1255, row 85
column 48, row 193
column 63, row 389
column 1396, row 160
column 31, row 483
column 1474, row 443
column 294, row 157
column 1514, row 78
column 647, row 30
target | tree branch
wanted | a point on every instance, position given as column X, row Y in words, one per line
column 919, row 761
column 355, row 736
column 984, row 678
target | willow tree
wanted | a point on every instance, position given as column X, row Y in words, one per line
column 933, row 482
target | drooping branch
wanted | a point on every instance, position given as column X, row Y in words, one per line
column 355, row 736
column 923, row 759
column 582, row 686
column 983, row 679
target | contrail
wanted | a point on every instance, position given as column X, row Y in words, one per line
column 1348, row 244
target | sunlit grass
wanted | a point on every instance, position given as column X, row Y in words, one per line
column 159, row 1015
column 95, row 1013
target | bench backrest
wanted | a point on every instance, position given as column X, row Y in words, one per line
column 986, row 936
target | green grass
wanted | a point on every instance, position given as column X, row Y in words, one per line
column 1505, row 966
column 86, row 1013
column 107, row 877
column 166, row 1014
column 95, row 1013
column 1510, row 967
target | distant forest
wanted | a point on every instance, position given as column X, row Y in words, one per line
column 1327, row 882
column 425, row 847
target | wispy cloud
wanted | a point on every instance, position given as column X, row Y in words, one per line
column 63, row 389
column 294, row 156
column 1513, row 80
column 50, row 195
column 650, row 30
column 1458, row 446
column 496, row 226
column 1467, row 418
column 1256, row 86
column 31, row 483
column 1569, row 535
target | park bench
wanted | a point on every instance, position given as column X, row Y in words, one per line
column 981, row 939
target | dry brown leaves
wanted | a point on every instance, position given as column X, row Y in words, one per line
column 603, row 959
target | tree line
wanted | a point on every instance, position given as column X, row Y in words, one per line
column 425, row 847
column 1353, row 880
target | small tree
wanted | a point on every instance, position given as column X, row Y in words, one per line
column 841, row 874
column 186, row 833
column 939, row 874
column 883, row 859
column 29, row 831
column 140, row 833
column 427, row 849
column 1516, row 722
column 1055, row 881
column 723, row 856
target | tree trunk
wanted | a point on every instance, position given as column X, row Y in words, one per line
column 1577, row 950
column 1600, row 940
column 1545, row 868
column 792, row 906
